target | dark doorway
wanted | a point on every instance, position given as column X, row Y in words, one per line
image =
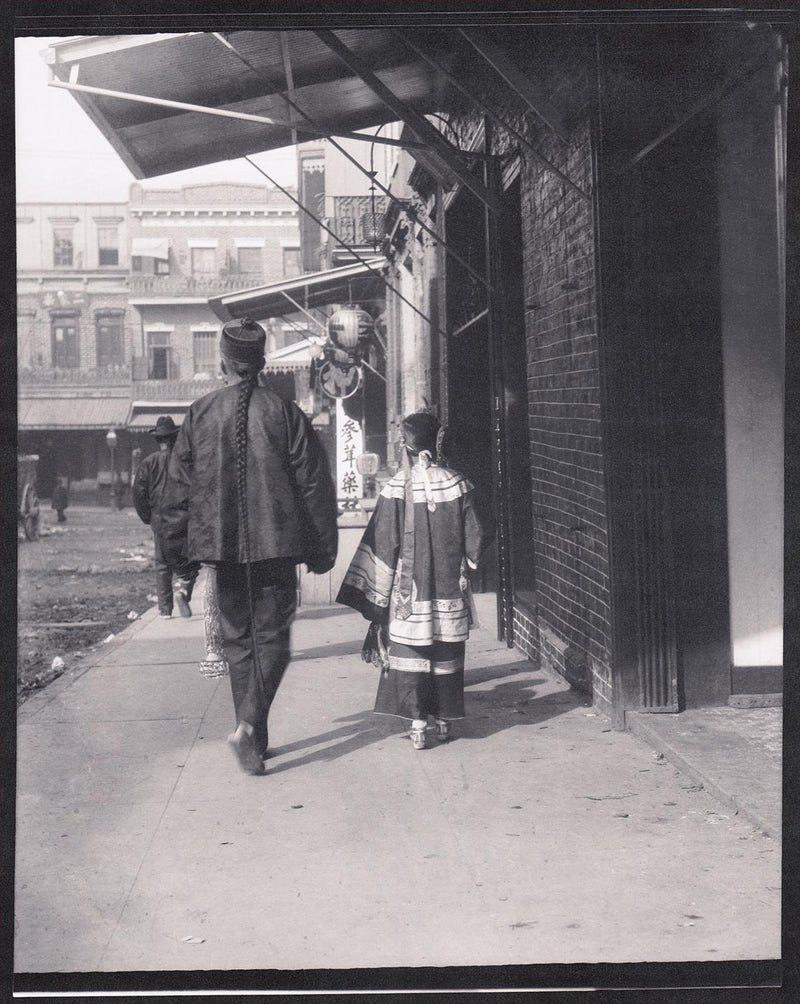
column 469, row 414
column 515, row 380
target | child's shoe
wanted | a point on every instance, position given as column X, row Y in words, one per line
column 418, row 738
column 442, row 730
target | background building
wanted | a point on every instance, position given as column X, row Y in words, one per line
column 74, row 336
column 114, row 327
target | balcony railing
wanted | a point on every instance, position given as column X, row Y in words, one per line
column 102, row 376
column 192, row 285
column 358, row 219
column 144, row 389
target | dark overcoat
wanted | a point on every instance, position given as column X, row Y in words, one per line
column 291, row 497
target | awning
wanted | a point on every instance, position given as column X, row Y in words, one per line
column 150, row 247
column 142, row 420
column 349, row 284
column 72, row 413
column 243, row 72
column 290, row 358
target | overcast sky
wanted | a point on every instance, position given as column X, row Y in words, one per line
column 62, row 156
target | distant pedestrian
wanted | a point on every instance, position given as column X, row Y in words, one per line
column 60, row 500
column 148, row 495
column 251, row 493
column 409, row 577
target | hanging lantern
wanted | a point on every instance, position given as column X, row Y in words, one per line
column 367, row 464
column 349, row 325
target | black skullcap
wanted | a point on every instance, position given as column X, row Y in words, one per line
column 243, row 339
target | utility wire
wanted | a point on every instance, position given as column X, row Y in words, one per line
column 393, row 198
column 346, row 247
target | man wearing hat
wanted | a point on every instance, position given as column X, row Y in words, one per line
column 148, row 494
column 250, row 492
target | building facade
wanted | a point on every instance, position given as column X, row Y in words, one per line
column 113, row 323
column 74, row 336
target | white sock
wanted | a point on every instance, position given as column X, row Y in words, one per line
column 419, row 723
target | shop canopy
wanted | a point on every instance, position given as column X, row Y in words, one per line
column 171, row 102
column 243, row 73
column 72, row 413
column 150, row 247
column 354, row 283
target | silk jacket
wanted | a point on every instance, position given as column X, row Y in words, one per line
column 291, row 497
column 410, row 570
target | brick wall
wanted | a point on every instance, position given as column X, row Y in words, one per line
column 571, row 632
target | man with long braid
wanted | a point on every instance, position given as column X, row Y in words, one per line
column 251, row 494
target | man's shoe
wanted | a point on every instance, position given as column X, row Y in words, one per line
column 246, row 753
column 442, row 730
column 165, row 615
column 182, row 603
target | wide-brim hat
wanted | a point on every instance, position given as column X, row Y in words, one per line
column 165, row 428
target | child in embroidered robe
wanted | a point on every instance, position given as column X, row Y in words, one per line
column 409, row 577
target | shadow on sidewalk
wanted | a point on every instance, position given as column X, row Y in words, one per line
column 511, row 703
column 360, row 730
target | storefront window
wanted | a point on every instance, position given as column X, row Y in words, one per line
column 62, row 247
column 107, row 246
column 159, row 362
column 64, row 341
column 204, row 261
column 109, row 340
column 205, row 352
column 250, row 261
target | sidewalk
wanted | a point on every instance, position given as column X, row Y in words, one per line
column 538, row 835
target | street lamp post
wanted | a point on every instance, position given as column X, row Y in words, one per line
column 111, row 439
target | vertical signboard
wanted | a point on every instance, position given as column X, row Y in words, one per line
column 349, row 445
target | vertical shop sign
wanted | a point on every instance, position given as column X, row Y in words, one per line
column 349, row 446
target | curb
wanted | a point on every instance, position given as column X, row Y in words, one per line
column 636, row 726
column 39, row 699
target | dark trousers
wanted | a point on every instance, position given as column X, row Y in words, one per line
column 185, row 575
column 274, row 597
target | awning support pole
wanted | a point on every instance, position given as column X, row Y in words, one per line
column 304, row 311
column 205, row 110
column 347, row 247
column 517, row 80
column 417, row 123
column 480, row 103
column 373, row 370
column 337, row 146
column 717, row 94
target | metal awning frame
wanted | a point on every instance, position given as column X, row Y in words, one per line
column 435, row 328
column 73, row 85
column 416, row 122
column 293, row 106
column 303, row 310
column 481, row 104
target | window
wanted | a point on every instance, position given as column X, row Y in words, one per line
column 62, row 247
column 250, row 260
column 64, row 341
column 204, row 262
column 109, row 340
column 205, row 352
column 292, row 263
column 107, row 246
column 159, row 362
column 144, row 265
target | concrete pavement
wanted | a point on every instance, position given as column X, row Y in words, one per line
column 538, row 835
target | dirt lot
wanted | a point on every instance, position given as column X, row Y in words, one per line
column 80, row 582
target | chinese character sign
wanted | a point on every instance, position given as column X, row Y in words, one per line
column 349, row 446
